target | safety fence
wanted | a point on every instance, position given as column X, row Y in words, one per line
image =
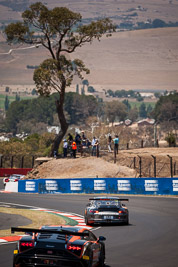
column 144, row 166
column 150, row 166
column 18, row 161
column 142, row 186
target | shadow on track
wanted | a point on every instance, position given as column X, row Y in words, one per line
column 113, row 225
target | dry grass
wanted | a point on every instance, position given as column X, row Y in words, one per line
column 38, row 218
column 142, row 59
column 145, row 59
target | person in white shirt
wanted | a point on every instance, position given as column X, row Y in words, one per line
column 65, row 146
column 93, row 144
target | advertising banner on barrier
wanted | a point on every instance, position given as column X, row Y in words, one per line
column 28, row 186
column 143, row 186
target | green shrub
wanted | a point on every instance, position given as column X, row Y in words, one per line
column 171, row 139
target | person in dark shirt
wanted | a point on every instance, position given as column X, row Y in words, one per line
column 78, row 139
column 70, row 139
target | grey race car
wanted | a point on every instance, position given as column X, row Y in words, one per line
column 105, row 209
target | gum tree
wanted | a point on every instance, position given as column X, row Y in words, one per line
column 61, row 32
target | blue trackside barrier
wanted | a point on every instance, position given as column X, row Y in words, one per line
column 142, row 186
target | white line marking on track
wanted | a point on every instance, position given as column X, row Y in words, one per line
column 7, row 243
column 2, row 240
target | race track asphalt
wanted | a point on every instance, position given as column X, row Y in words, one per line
column 7, row 220
column 151, row 239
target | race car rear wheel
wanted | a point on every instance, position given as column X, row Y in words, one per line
column 86, row 221
column 101, row 261
column 90, row 263
column 127, row 221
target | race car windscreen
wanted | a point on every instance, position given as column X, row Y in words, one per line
column 114, row 202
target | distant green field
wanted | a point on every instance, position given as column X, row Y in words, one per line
column 137, row 104
column 11, row 99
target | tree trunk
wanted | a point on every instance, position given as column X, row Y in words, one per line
column 62, row 121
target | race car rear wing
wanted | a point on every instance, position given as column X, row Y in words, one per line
column 49, row 231
column 109, row 199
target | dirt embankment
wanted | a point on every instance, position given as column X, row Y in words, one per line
column 91, row 167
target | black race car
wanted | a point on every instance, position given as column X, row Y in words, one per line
column 105, row 209
column 63, row 246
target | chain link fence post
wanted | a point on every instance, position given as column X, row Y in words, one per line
column 33, row 161
column 1, row 161
column 154, row 158
column 12, row 161
column 140, row 166
column 171, row 169
column 22, row 162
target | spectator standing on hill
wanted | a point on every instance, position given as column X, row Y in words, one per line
column 116, row 144
column 55, row 154
column 65, row 146
column 97, row 147
column 70, row 139
column 83, row 135
column 93, row 143
column 84, row 139
column 88, row 143
column 78, row 139
column 74, row 148
column 109, row 143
